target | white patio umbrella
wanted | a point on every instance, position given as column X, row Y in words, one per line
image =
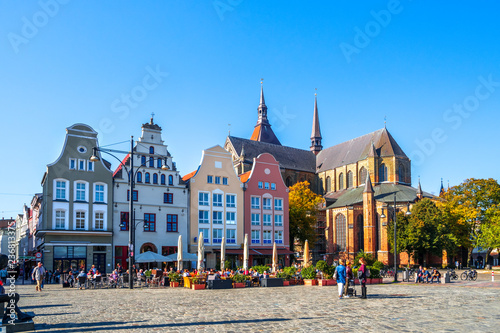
column 223, row 254
column 201, row 251
column 149, row 256
column 245, row 253
column 179, row 254
column 275, row 258
column 306, row 254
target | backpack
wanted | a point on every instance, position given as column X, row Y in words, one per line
column 367, row 272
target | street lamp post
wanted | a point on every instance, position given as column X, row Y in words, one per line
column 395, row 243
column 131, row 177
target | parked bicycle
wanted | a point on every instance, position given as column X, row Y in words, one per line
column 470, row 274
column 453, row 274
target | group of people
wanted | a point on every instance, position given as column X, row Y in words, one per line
column 423, row 275
column 345, row 277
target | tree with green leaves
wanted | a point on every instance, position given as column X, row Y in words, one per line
column 303, row 206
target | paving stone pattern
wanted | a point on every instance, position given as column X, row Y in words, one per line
column 402, row 307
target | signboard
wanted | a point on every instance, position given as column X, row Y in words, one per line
column 26, row 257
column 38, row 255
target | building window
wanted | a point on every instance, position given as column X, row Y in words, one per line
column 266, row 237
column 230, row 236
column 81, row 165
column 255, row 236
column 170, row 180
column 146, row 178
column 350, row 180
column 266, row 220
column 149, row 222
column 261, row 185
column 217, row 235
column 255, row 202
column 80, row 220
column 266, row 185
column 60, row 219
column 382, row 173
column 162, row 179
column 99, row 221
column 230, row 218
column 267, row 203
column 168, row 198
column 224, row 181
column 340, row 231
column 278, row 220
column 289, row 181
column 151, row 150
column 362, row 175
column 230, row 200
column 217, row 200
column 151, row 162
column 90, row 166
column 328, row 184
column 60, row 190
column 99, row 193
column 158, row 163
column 135, row 195
column 206, row 235
column 80, row 191
column 139, row 177
column 217, row 217
column 401, row 173
column 203, row 216
column 143, row 160
column 278, row 236
column 155, row 178
column 341, row 181
column 273, row 186
column 217, row 180
column 203, row 199
column 278, row 204
column 171, row 223
column 255, row 219
column 72, row 164
column 124, row 221
column 210, row 179
column 360, row 233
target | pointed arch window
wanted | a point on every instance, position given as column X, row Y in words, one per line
column 289, row 181
column 155, row 178
column 162, row 179
column 341, row 181
column 328, row 186
column 362, row 175
column 139, row 177
column 360, row 233
column 146, row 178
column 350, row 179
column 382, row 173
column 340, row 232
column 170, row 180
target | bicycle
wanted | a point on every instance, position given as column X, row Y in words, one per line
column 469, row 275
column 453, row 274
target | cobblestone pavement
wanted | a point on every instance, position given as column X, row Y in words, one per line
column 402, row 307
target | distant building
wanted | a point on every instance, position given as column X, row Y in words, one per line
column 7, row 229
column 216, row 207
column 76, row 230
column 160, row 199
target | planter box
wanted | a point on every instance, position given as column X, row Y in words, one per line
column 322, row 282
column 375, row 280
column 286, row 283
column 197, row 286
column 331, row 282
column 239, row 284
column 271, row 282
column 309, row 282
column 174, row 284
column 220, row 284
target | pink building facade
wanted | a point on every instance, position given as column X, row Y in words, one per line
column 266, row 212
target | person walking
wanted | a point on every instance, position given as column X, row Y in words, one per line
column 341, row 276
column 38, row 275
column 362, row 276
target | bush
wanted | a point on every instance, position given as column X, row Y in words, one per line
column 374, row 272
column 330, row 270
column 309, row 272
column 355, row 272
column 322, row 266
column 285, row 276
column 290, row 270
column 261, row 269
column 239, row 278
column 174, row 277
column 368, row 257
column 378, row 265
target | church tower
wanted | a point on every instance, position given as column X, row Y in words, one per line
column 262, row 131
column 316, row 132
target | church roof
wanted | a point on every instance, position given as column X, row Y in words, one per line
column 263, row 133
column 383, row 193
column 358, row 149
column 151, row 125
column 288, row 157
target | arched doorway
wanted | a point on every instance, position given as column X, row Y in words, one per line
column 148, row 247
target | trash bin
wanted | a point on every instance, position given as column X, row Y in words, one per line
column 447, row 278
column 406, row 275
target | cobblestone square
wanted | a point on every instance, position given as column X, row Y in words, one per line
column 402, row 307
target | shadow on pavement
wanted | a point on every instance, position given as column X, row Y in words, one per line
column 390, row 296
column 45, row 306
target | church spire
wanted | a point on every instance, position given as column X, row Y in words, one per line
column 316, row 132
column 441, row 190
column 368, row 184
column 262, row 131
column 262, row 109
column 420, row 193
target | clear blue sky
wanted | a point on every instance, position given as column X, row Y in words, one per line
column 73, row 62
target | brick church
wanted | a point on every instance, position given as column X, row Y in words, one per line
column 360, row 179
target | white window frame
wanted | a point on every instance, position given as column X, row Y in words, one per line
column 276, row 222
column 81, row 166
column 267, row 240
column 220, row 232
column 206, row 240
column 203, row 202
column 231, row 240
column 206, row 216
column 270, row 203
column 90, row 166
column 278, row 236
column 103, row 220
column 84, row 219
column 56, row 218
column 280, row 206
column 220, row 217
column 255, row 219
column 74, row 163
column 255, row 240
column 268, row 217
column 232, row 220
column 218, row 203
column 75, row 192
column 104, row 192
column 255, row 202
column 66, row 189
column 231, row 203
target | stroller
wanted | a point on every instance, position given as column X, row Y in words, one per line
column 351, row 290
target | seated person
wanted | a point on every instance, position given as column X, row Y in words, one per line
column 186, row 273
column 8, row 315
column 436, row 275
column 81, row 279
column 265, row 275
column 420, row 275
column 426, row 275
column 141, row 277
column 71, row 279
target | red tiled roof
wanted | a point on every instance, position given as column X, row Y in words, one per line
column 244, row 176
column 189, row 175
column 125, row 160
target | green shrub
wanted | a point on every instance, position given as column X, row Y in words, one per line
column 290, row 270
column 240, row 278
column 322, row 266
column 330, row 270
column 355, row 272
column 261, row 269
column 285, row 276
column 378, row 265
column 174, row 277
column 309, row 272
column 374, row 273
column 368, row 257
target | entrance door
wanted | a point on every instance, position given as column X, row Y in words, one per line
column 100, row 262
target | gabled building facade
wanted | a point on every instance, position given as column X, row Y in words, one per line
column 216, row 206
column 266, row 211
column 160, row 199
column 76, row 230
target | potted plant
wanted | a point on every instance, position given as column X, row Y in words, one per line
column 291, row 273
column 239, row 281
column 285, row 276
column 196, row 283
column 174, row 278
column 309, row 276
